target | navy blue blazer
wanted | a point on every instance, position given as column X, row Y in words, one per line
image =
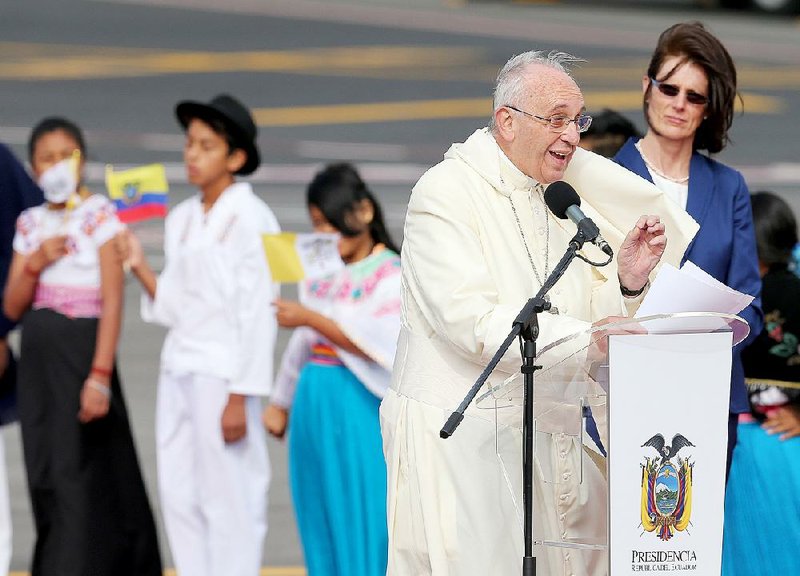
column 17, row 192
column 725, row 245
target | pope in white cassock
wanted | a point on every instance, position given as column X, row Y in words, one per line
column 479, row 241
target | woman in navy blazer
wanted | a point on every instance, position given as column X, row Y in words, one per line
column 689, row 95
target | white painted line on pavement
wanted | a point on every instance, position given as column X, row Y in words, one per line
column 355, row 151
column 376, row 173
column 784, row 173
column 384, row 171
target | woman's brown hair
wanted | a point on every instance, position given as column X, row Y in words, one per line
column 693, row 43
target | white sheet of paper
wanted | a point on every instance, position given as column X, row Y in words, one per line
column 319, row 254
column 690, row 289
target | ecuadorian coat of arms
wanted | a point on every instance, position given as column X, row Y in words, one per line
column 131, row 192
column 666, row 504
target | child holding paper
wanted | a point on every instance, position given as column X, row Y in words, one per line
column 216, row 362
column 89, row 503
column 333, row 375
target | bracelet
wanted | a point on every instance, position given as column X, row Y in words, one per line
column 30, row 271
column 628, row 293
column 99, row 386
column 101, row 371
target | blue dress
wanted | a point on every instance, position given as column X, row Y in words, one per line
column 336, row 466
column 762, row 503
column 762, row 509
column 337, row 472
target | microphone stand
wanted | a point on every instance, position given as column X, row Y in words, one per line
column 526, row 326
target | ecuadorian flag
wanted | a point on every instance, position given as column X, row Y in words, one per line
column 138, row 193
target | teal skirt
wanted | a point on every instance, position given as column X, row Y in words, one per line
column 338, row 473
column 762, row 506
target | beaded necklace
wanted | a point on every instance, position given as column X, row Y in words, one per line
column 658, row 172
column 539, row 278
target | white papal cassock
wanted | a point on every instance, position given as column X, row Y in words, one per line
column 466, row 274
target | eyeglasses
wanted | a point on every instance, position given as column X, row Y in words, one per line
column 670, row 91
column 559, row 123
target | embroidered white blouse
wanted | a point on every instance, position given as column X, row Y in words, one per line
column 70, row 285
column 364, row 301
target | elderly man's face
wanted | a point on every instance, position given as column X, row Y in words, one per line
column 537, row 149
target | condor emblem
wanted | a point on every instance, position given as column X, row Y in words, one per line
column 131, row 192
column 666, row 504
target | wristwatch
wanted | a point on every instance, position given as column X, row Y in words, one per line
column 628, row 293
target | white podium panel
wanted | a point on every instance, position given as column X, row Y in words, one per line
column 652, row 393
column 668, row 414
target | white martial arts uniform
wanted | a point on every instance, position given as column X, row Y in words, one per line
column 214, row 295
column 466, row 274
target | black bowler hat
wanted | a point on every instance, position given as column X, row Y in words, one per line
column 234, row 116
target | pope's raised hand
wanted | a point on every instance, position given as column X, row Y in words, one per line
column 641, row 251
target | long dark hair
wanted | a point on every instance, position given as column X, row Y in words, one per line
column 53, row 124
column 775, row 227
column 693, row 43
column 336, row 191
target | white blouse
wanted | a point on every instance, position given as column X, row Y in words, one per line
column 675, row 191
column 363, row 299
column 70, row 285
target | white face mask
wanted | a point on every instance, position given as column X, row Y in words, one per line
column 60, row 181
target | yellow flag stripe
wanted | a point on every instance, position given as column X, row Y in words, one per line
column 149, row 178
column 282, row 257
column 647, row 525
column 685, row 518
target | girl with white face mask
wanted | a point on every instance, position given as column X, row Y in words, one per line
column 60, row 182
column 65, row 283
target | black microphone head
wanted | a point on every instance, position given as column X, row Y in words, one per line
column 559, row 196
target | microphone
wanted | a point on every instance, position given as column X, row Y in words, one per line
column 565, row 203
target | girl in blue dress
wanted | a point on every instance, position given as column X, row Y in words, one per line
column 762, row 504
column 333, row 375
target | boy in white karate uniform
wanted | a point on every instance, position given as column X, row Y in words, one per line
column 214, row 295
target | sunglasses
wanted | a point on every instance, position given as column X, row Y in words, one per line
column 670, row 91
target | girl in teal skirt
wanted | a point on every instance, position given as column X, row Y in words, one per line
column 762, row 506
column 333, row 375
